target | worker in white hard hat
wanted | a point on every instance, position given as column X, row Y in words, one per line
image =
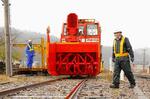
column 121, row 55
column 30, row 54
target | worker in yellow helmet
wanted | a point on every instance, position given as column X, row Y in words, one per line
column 122, row 54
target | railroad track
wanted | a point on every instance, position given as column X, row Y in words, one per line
column 14, row 90
column 143, row 76
column 3, row 83
column 72, row 91
column 105, row 92
column 75, row 89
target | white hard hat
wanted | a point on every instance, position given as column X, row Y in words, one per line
column 29, row 41
column 117, row 31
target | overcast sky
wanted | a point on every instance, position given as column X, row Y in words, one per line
column 130, row 16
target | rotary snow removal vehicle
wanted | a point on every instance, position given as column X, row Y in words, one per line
column 79, row 49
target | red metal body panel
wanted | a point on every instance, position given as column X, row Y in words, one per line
column 79, row 51
column 76, row 47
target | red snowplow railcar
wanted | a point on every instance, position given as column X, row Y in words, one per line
column 79, row 49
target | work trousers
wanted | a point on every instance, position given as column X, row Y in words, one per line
column 122, row 63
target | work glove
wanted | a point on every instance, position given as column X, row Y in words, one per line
column 132, row 59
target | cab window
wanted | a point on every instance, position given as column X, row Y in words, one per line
column 92, row 29
column 81, row 30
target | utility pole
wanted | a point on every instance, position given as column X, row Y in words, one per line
column 144, row 59
column 7, row 38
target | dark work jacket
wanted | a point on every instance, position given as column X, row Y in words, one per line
column 126, row 48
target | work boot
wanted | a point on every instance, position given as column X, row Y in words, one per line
column 132, row 86
column 114, row 86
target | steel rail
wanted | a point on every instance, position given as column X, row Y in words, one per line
column 73, row 93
